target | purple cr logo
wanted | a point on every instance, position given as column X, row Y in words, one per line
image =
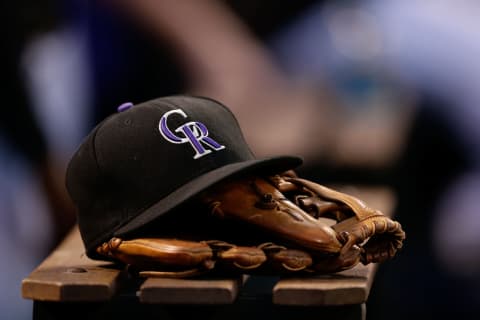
column 193, row 132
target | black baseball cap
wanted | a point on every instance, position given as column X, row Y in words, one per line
column 147, row 159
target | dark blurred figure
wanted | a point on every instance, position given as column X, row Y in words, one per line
column 35, row 211
column 20, row 130
column 146, row 48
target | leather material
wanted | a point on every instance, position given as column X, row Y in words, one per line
column 312, row 229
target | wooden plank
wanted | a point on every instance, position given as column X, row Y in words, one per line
column 190, row 291
column 68, row 275
column 343, row 288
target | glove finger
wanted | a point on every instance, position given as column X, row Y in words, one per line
column 384, row 238
column 155, row 252
column 282, row 259
column 243, row 258
column 343, row 261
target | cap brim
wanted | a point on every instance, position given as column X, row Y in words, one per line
column 199, row 184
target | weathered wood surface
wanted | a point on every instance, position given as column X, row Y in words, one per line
column 347, row 287
column 68, row 275
column 190, row 291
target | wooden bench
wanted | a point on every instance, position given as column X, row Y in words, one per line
column 68, row 285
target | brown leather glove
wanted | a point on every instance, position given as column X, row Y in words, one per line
column 285, row 215
column 356, row 224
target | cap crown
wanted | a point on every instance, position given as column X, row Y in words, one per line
column 136, row 157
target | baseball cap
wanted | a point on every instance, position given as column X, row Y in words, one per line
column 147, row 159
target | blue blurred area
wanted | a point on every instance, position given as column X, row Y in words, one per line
column 428, row 49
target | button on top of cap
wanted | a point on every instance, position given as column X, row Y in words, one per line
column 124, row 106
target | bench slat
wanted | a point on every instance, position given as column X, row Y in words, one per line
column 68, row 275
column 190, row 291
column 347, row 287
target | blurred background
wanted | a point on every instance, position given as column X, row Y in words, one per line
column 368, row 92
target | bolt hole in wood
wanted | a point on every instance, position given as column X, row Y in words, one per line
column 76, row 270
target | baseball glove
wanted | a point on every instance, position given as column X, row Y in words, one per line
column 276, row 225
